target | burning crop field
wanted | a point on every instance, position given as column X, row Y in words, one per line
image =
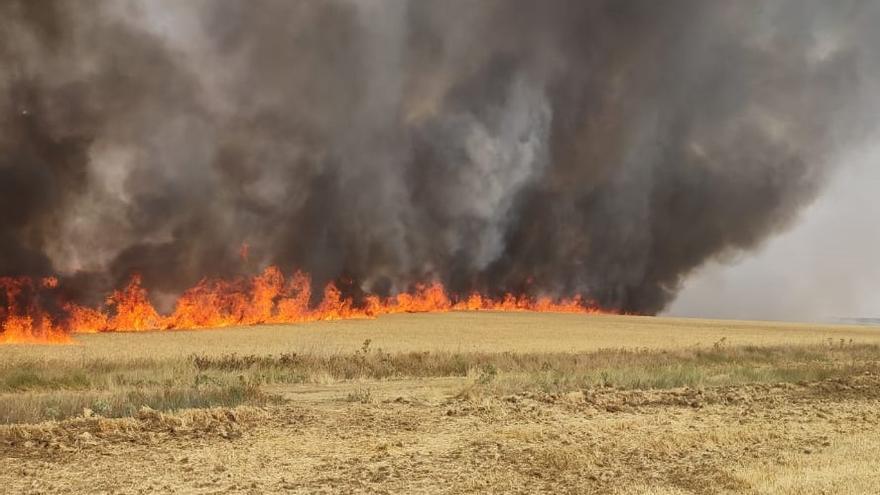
column 439, row 246
column 263, row 299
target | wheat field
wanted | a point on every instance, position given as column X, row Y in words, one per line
column 453, row 331
column 448, row 403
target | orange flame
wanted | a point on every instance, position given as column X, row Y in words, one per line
column 264, row 298
column 21, row 319
column 134, row 312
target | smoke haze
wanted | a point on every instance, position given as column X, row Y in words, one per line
column 603, row 148
column 825, row 269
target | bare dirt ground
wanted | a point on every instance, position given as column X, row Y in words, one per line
column 449, row 434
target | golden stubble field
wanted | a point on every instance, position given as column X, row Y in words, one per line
column 448, row 403
column 454, row 331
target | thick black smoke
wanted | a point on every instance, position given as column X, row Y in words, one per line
column 597, row 147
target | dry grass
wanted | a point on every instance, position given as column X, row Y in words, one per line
column 32, row 390
column 767, row 439
column 824, row 471
column 452, row 332
column 521, row 403
column 57, row 405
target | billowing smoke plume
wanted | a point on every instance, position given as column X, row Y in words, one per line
column 596, row 147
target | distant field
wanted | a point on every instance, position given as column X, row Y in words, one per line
column 448, row 403
column 455, row 331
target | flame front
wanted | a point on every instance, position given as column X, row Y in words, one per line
column 213, row 303
column 22, row 319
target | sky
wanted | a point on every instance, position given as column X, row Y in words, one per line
column 826, row 267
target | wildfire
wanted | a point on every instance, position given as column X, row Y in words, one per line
column 22, row 320
column 265, row 298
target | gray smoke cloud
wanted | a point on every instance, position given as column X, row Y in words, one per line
column 822, row 270
column 606, row 148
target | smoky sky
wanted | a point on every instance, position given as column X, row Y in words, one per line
column 823, row 270
column 607, row 148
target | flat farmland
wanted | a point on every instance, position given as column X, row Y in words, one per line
column 457, row 402
column 453, row 331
